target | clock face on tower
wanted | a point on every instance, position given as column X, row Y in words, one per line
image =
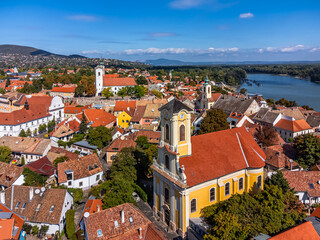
column 181, row 116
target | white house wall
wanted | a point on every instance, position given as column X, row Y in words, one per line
column 87, row 182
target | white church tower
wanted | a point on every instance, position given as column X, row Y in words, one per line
column 206, row 94
column 99, row 78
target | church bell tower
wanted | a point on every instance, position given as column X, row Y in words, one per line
column 99, row 78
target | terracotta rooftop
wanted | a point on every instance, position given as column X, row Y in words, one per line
column 304, row 181
column 99, row 117
column 10, row 228
column 92, row 206
column 303, row 231
column 42, row 166
column 316, row 213
column 138, row 114
column 152, row 136
column 110, row 225
column 124, row 105
column 9, row 174
column 83, row 167
column 277, row 157
column 26, row 144
column 220, row 153
column 74, row 109
column 63, row 89
column 291, row 112
column 27, row 208
column 152, row 111
column 293, row 126
column 109, row 82
column 56, row 152
column 23, row 115
column 120, row 143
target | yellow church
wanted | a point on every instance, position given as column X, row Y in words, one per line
column 191, row 173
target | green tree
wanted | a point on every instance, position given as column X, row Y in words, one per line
column 22, row 133
column 99, row 136
column 44, row 229
column 60, row 160
column 156, row 93
column 70, row 225
column 33, row 179
column 5, row 154
column 8, row 83
column 23, row 161
column 277, row 179
column 140, row 91
column 141, row 80
column 142, row 141
column 307, row 149
column 243, row 91
column 2, row 91
column 28, row 132
column 35, row 131
column 35, row 230
column 107, row 93
column 79, row 91
column 83, row 128
column 215, row 120
column 244, row 216
column 122, row 92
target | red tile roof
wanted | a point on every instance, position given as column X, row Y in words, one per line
column 277, row 158
column 108, row 82
column 124, row 105
column 99, row 117
column 43, row 166
column 301, row 181
column 5, row 229
column 220, row 153
column 304, row 231
column 316, row 213
column 80, row 167
column 114, row 75
column 294, row 126
column 105, row 221
column 92, row 206
column 23, row 115
column 74, row 109
column 120, row 143
column 63, row 89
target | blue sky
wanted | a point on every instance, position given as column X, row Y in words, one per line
column 189, row 30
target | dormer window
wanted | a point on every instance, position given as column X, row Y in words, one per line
column 24, row 205
column 99, row 233
column 116, row 224
column 38, row 207
column 51, row 208
column 18, row 204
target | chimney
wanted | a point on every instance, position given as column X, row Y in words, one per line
column 31, row 194
column 122, row 216
column 12, row 191
column 290, row 161
column 98, row 208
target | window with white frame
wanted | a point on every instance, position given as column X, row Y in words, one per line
column 241, row 183
column 227, row 189
column 193, row 205
column 212, row 194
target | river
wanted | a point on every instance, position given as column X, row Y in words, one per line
column 303, row 91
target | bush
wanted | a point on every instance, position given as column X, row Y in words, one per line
column 33, row 179
column 70, row 227
column 140, row 192
column 27, row 227
column 44, row 229
column 35, row 230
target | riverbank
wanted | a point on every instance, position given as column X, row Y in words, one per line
column 303, row 91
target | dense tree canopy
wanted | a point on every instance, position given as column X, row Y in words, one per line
column 215, row 120
column 32, row 178
column 267, row 135
column 244, row 216
column 5, row 154
column 99, row 136
column 107, row 93
column 307, row 149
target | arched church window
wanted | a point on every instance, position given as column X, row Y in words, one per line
column 166, row 195
column 182, row 133
column 193, row 205
column 167, row 132
column 167, row 162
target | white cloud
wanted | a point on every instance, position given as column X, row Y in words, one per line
column 293, row 48
column 84, row 18
column 234, row 49
column 286, row 49
column 92, row 52
column 315, row 49
column 260, row 50
column 246, row 15
column 185, row 4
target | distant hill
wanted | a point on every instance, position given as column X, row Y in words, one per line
column 30, row 51
column 169, row 62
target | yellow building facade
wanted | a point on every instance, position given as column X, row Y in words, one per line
column 185, row 178
column 123, row 120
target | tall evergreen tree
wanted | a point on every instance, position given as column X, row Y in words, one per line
column 84, row 124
